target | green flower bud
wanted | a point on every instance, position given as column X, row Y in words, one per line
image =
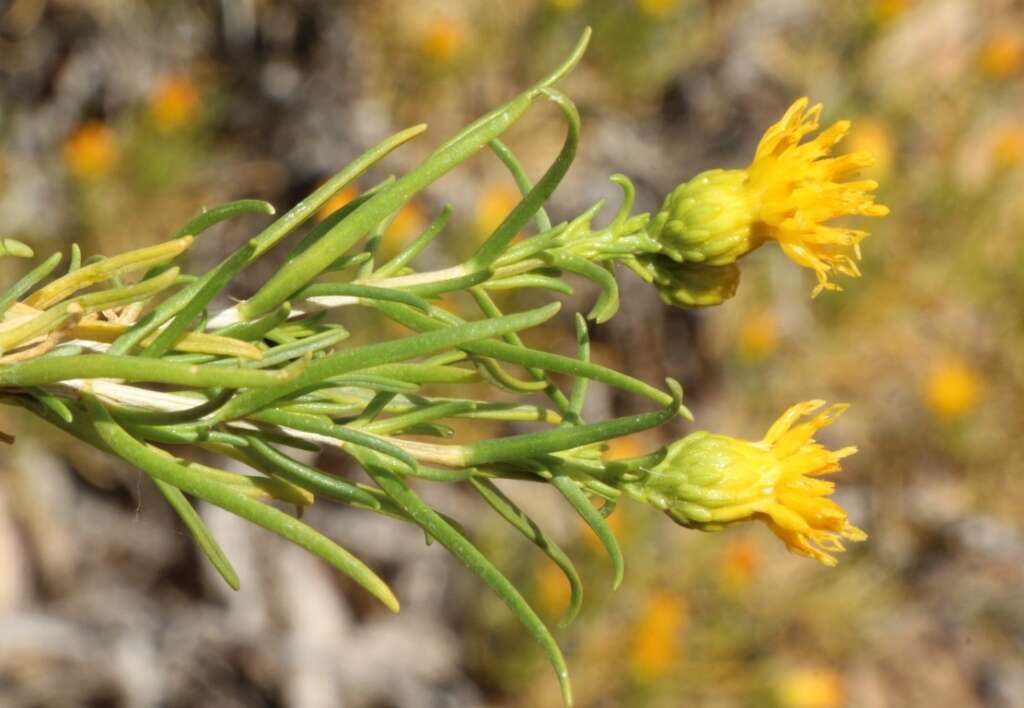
column 693, row 284
column 708, row 219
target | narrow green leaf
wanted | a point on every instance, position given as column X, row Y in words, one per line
column 566, row 438
column 322, row 426
column 595, row 520
column 52, row 402
column 382, row 353
column 608, row 302
column 407, row 254
column 496, row 244
column 311, row 204
column 368, row 292
column 332, row 219
column 300, row 271
column 434, row 525
column 508, row 158
column 529, row 280
column 11, row 247
column 28, row 281
column 204, row 539
column 519, row 520
column 47, row 370
column 277, row 464
column 255, row 330
column 76, row 258
column 145, row 417
column 208, row 217
column 424, row 373
column 218, row 279
column 532, row 357
column 544, row 382
column 161, row 466
column 579, row 387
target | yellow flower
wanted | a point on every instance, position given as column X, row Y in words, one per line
column 886, row 10
column 408, row 222
column 443, row 39
column 952, row 388
column 741, row 561
column 551, row 588
column 654, row 647
column 872, row 134
column 709, row 481
column 785, row 195
column 1008, row 145
column 494, row 204
column 659, row 8
column 758, row 335
column 174, row 104
column 1002, row 55
column 617, row 522
column 624, row 448
column 808, row 688
column 91, row 151
column 336, row 202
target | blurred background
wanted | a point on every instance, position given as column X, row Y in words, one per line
column 119, row 121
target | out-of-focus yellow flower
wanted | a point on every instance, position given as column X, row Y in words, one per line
column 1008, row 146
column 785, row 195
column 443, row 40
column 872, row 135
column 449, row 303
column 494, row 204
column 758, row 335
column 952, row 388
column 811, row 688
column 709, row 481
column 91, row 151
column 659, row 8
column 741, row 561
column 174, row 104
column 336, row 202
column 1003, row 54
column 616, row 522
column 654, row 645
column 623, row 448
column 551, row 587
column 885, row 10
column 408, row 222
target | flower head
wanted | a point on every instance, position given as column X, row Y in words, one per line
column 709, row 481
column 174, row 104
column 811, row 688
column 952, row 388
column 91, row 151
column 1003, row 54
column 758, row 336
column 654, row 646
column 786, row 194
column 443, row 39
